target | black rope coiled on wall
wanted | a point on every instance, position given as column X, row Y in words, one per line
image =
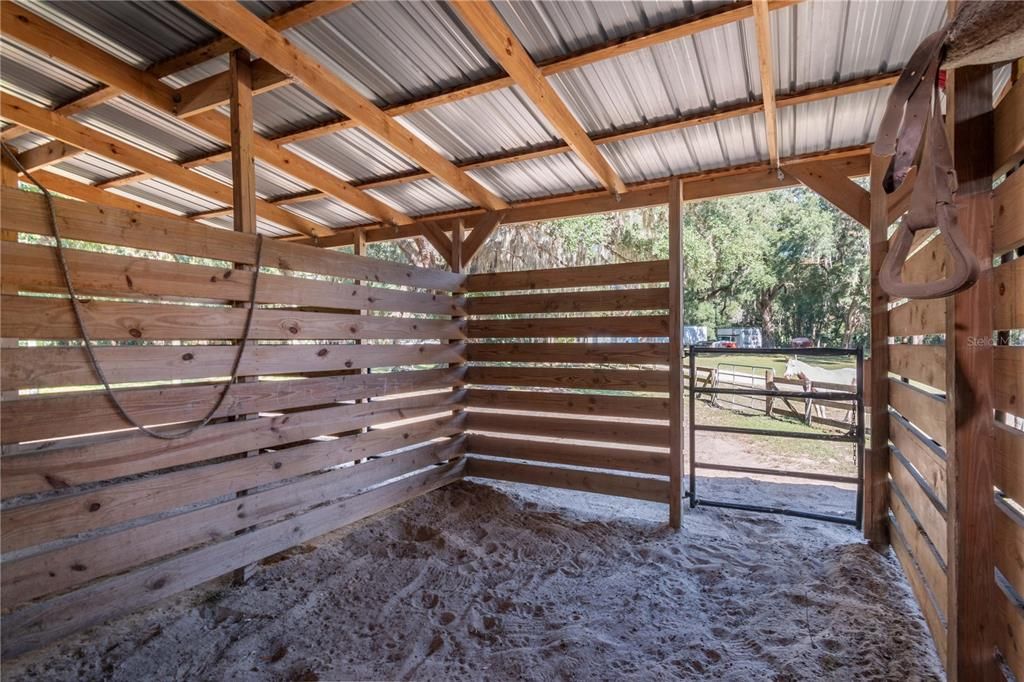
column 90, row 351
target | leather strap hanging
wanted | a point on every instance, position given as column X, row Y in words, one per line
column 912, row 133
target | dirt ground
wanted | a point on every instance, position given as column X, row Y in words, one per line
column 484, row 581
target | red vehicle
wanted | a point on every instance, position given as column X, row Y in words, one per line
column 723, row 344
column 801, row 342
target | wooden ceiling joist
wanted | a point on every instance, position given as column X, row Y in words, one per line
column 489, row 28
column 74, row 133
column 236, row 21
column 32, row 30
column 88, row 193
column 675, row 123
column 765, row 63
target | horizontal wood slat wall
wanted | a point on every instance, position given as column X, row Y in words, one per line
column 99, row 518
column 571, row 380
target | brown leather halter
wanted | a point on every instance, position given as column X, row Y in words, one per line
column 912, row 133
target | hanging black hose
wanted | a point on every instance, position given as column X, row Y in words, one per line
column 76, row 306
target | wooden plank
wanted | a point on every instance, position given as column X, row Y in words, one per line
column 931, row 519
column 631, row 433
column 47, row 621
column 1007, row 130
column 570, row 403
column 59, row 468
column 48, row 520
column 570, row 454
column 487, row 25
column 927, row 264
column 55, row 367
column 69, row 566
column 1008, row 294
column 927, row 411
column 1008, row 461
column 651, row 489
column 46, row 154
column 32, row 268
column 122, row 227
column 565, row 278
column 655, row 298
column 1008, row 379
column 632, row 326
column 1008, row 214
column 927, row 457
column 245, row 28
column 31, row 417
column 921, row 593
column 924, row 364
column 676, row 286
column 605, row 353
column 915, row 318
column 570, row 378
column 243, row 161
column 32, row 317
column 1009, row 631
column 763, row 35
column 1008, row 544
column 971, row 370
column 931, row 566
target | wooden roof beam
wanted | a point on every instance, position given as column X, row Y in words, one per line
column 74, row 133
column 46, row 154
column 482, row 231
column 762, row 27
column 490, row 29
column 32, row 30
column 836, row 188
column 756, row 177
column 236, row 21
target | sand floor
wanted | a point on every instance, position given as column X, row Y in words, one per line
column 483, row 581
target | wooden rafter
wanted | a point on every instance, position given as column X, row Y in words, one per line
column 649, row 38
column 32, row 30
column 651, row 128
column 72, row 132
column 762, row 27
column 239, row 23
column 438, row 239
column 488, row 27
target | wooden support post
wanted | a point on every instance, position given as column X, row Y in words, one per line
column 969, row 415
column 243, row 191
column 769, row 384
column 876, row 459
column 676, row 281
column 457, row 242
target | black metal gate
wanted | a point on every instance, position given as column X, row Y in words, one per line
column 855, row 435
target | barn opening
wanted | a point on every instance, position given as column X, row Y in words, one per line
column 239, row 445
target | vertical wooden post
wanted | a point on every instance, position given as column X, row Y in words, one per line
column 969, row 415
column 243, row 186
column 458, row 237
column 676, row 280
column 876, row 459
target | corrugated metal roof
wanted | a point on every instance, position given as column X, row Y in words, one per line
column 31, row 76
column 269, row 182
column 546, row 176
column 395, row 51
